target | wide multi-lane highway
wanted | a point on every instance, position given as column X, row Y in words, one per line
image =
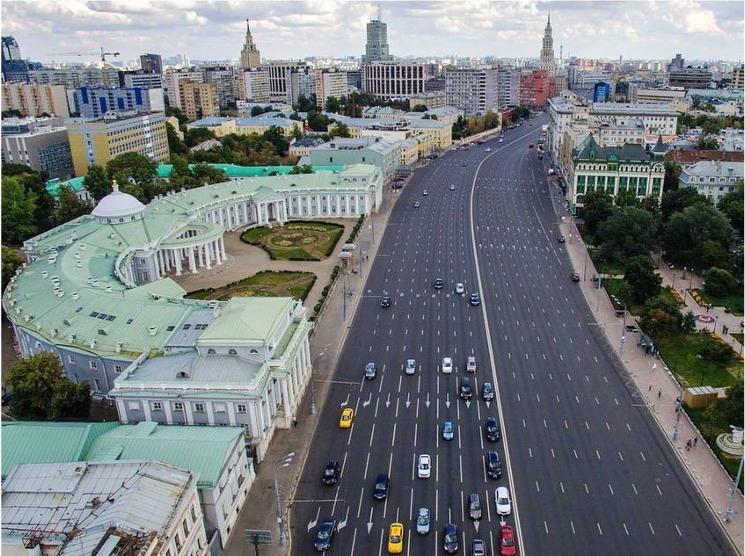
column 587, row 468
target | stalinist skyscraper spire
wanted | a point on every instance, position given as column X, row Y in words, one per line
column 250, row 55
column 547, row 51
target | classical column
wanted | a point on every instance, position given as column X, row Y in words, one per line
column 192, row 263
column 284, row 210
column 286, row 399
column 222, row 247
column 177, row 258
column 367, row 207
column 207, row 257
column 245, row 213
column 222, row 220
column 346, row 199
column 218, row 257
column 199, row 253
column 318, row 205
column 328, row 204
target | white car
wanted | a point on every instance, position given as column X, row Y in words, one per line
column 447, row 365
column 502, row 500
column 488, row 150
column 452, row 187
column 424, row 467
column 501, row 140
column 459, row 289
column 471, row 364
column 410, row 366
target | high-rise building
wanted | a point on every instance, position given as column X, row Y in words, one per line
column 330, row 83
column 198, row 100
column 690, row 78
column 14, row 69
column 43, row 149
column 377, row 41
column 95, row 103
column 151, row 63
column 253, row 85
column 303, row 83
column 601, row 92
column 141, row 79
column 98, row 141
column 473, row 90
column 280, row 80
column 171, row 77
column 250, row 55
column 677, row 63
column 547, row 50
column 508, row 87
column 393, row 79
column 737, row 78
column 224, row 77
column 35, row 100
column 536, row 88
column 74, row 78
column 11, row 51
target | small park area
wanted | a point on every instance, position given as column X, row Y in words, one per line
column 686, row 354
column 263, row 284
column 733, row 302
column 296, row 241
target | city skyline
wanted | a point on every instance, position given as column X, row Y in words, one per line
column 209, row 30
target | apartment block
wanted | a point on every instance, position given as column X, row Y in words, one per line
column 253, row 85
column 98, row 141
column 171, row 78
column 142, row 79
column 43, row 149
column 473, row 90
column 690, row 78
column 330, row 83
column 35, row 100
column 434, row 99
column 536, row 89
column 393, row 79
column 97, row 103
column 74, row 78
column 198, row 100
column 280, row 80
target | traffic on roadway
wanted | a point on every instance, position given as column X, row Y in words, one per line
column 475, row 407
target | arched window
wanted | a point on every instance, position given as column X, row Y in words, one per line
column 232, row 352
column 211, row 351
column 254, row 351
column 182, row 374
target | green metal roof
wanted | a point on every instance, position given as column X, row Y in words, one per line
column 53, row 185
column 235, row 171
column 589, row 150
column 47, row 442
column 238, row 320
column 202, row 450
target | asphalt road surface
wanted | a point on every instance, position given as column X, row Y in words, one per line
column 588, row 470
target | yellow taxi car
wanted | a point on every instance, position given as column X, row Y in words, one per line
column 396, row 538
column 346, row 418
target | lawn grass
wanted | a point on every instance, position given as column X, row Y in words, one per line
column 327, row 247
column 283, row 283
column 680, row 352
column 254, row 235
column 738, row 337
column 326, row 237
column 611, row 285
column 733, row 302
column 710, row 431
column 610, row 267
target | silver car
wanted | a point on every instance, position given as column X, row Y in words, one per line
column 410, row 368
column 423, row 520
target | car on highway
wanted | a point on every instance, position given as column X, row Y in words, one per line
column 331, row 473
column 447, row 365
column 488, row 150
column 502, row 501
column 491, row 429
column 346, row 419
column 561, row 239
column 507, row 541
column 531, row 146
column 416, row 204
column 487, row 392
column 459, row 288
column 410, row 368
column 474, row 507
column 464, row 390
column 448, row 431
column 439, row 284
column 423, row 520
column 380, row 491
column 325, row 535
column 396, row 538
column 452, row 187
column 575, row 277
column 471, row 364
column 501, row 140
column 385, row 302
column 493, row 465
column 371, row 371
column 425, row 193
column 424, row 467
column 475, row 299
column 463, row 164
column 450, row 538
column 478, row 548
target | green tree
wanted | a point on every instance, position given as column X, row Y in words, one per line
column 18, row 208
column 732, row 406
column 206, row 174
column 304, row 169
column 420, row 108
column 731, row 206
column 460, row 128
column 318, row 121
column 689, row 323
column 720, row 283
column 12, row 169
column 491, row 120
column 685, row 233
column 70, row 401
column 660, row 316
column 597, row 208
column 707, row 142
column 11, row 261
column 133, row 189
column 296, row 133
column 177, row 113
column 12, row 113
column 33, row 381
column 97, row 182
column 69, row 206
column 672, row 176
column 134, row 165
column 627, row 198
column 640, row 275
column 710, row 254
column 175, row 144
column 332, row 105
column 652, row 205
column 197, row 135
column 624, row 292
column 340, row 129
column 627, row 232
column 276, row 136
column 696, row 102
column 679, row 200
column 717, row 352
column 304, row 104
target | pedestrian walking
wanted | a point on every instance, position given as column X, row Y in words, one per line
column 688, row 445
column 650, row 387
column 695, row 441
column 659, row 393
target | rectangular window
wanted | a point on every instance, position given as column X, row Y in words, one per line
column 185, row 527
column 220, row 408
column 241, row 408
column 156, row 406
column 118, row 368
column 96, row 386
column 178, row 406
column 193, row 513
column 199, row 407
column 93, row 365
column 71, row 359
column 133, row 406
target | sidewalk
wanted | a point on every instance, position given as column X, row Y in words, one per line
column 656, row 388
column 326, row 342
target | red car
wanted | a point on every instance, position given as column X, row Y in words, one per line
column 507, row 541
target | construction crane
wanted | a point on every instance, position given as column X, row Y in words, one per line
column 102, row 54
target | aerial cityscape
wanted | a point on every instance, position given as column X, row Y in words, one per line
column 366, row 278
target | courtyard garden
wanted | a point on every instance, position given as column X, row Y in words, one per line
column 268, row 283
column 296, row 241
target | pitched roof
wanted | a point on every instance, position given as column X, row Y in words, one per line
column 238, row 323
column 689, row 156
column 589, row 150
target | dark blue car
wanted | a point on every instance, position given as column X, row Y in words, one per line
column 380, row 492
column 325, row 535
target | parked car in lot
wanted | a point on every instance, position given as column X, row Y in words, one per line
column 447, row 365
column 507, row 541
column 325, row 535
column 371, row 371
column 424, row 467
column 385, row 302
column 410, row 368
column 331, row 473
column 423, row 520
column 380, row 491
column 491, row 429
column 502, row 501
column 448, row 431
column 450, row 538
column 471, row 364
column 487, row 392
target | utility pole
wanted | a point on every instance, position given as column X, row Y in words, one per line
column 733, row 490
column 284, row 461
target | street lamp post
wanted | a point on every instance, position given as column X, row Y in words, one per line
column 623, row 327
column 678, row 411
column 284, row 461
column 716, row 321
column 312, row 382
column 733, row 490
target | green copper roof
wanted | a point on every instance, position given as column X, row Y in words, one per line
column 53, row 185
column 238, row 320
column 47, row 442
column 235, row 171
column 589, row 151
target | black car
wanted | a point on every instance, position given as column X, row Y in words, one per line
column 475, row 299
column 450, row 536
column 493, row 465
column 385, row 302
column 439, row 284
column 465, row 392
column 325, row 535
column 380, row 492
column 487, row 392
column 491, row 429
column 575, row 277
column 560, row 239
column 331, row 473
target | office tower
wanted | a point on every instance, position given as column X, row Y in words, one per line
column 151, row 63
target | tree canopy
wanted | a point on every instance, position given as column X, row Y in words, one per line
column 18, row 209
column 11, row 261
column 627, row 232
column 640, row 275
column 598, row 207
column 685, row 235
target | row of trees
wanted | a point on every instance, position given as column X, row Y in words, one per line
column 465, row 127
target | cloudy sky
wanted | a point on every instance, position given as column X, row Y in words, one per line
column 295, row 29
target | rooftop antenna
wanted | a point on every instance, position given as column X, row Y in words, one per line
column 380, row 12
